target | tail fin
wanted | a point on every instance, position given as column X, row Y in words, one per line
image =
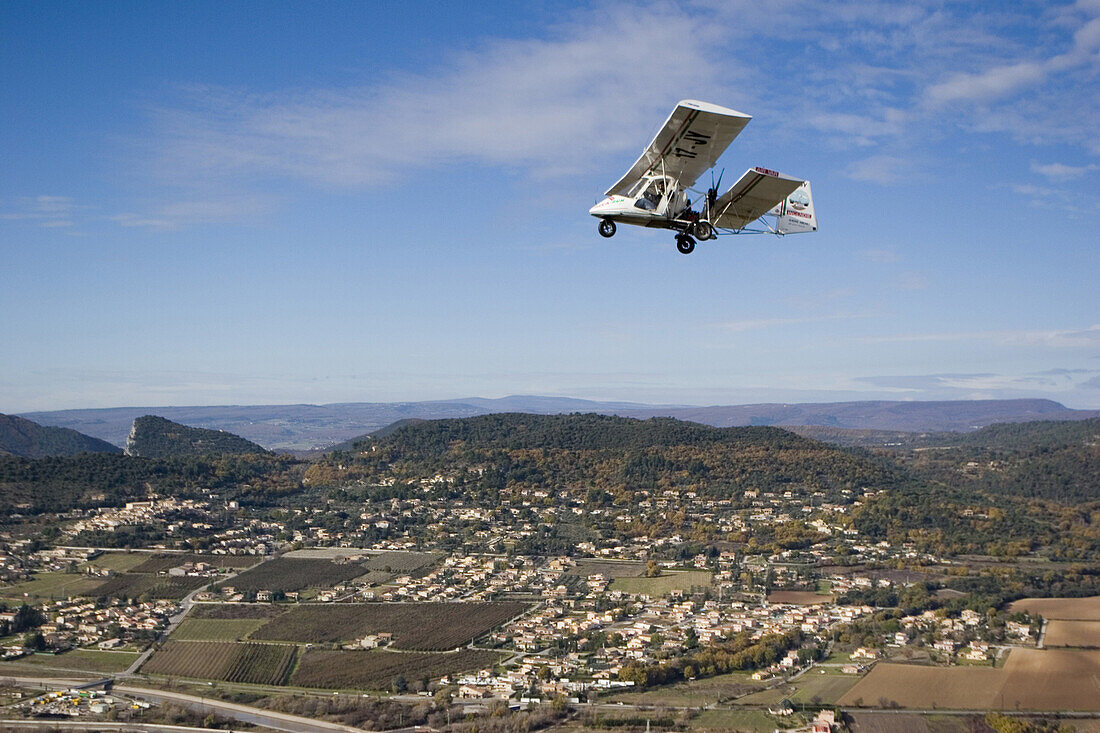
column 795, row 214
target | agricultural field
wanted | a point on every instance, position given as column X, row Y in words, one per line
column 1067, row 609
column 261, row 664
column 415, row 626
column 668, row 581
column 402, row 563
column 55, row 586
column 206, row 629
column 376, row 670
column 235, row 610
column 1083, row 634
column 134, row 585
column 700, row 692
column 811, row 688
column 607, row 569
column 734, row 720
column 798, row 597
column 911, row 686
column 1032, row 679
column 162, row 562
column 83, row 660
column 291, row 574
column 119, row 562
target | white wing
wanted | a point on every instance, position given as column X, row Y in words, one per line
column 755, row 194
column 690, row 143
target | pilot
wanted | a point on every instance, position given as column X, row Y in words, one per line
column 651, row 197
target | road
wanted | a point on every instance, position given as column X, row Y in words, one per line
column 204, row 705
column 94, row 725
column 236, row 711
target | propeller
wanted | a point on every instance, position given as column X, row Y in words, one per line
column 712, row 192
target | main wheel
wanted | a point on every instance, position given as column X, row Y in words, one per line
column 703, row 230
column 607, row 228
column 685, row 244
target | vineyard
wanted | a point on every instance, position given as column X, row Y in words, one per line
column 401, row 562
column 263, row 664
column 235, row 610
column 290, row 574
column 133, row 585
column 416, row 626
column 162, row 562
column 376, row 670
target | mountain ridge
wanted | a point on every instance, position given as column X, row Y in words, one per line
column 27, row 439
column 305, row 427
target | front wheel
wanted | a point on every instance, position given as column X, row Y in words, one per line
column 607, row 228
column 703, row 230
column 685, row 244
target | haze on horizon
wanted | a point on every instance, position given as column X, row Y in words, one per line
column 253, row 204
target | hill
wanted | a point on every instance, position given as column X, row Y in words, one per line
column 155, row 437
column 583, row 452
column 306, row 427
column 20, row 437
column 955, row 415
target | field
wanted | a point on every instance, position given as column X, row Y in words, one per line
column 700, row 692
column 607, row 569
column 401, row 562
column 289, row 574
column 1068, row 609
column 161, row 562
column 376, row 670
column 727, row 720
column 1084, row 634
column 417, row 626
column 133, row 585
column 119, row 561
column 205, row 629
column 1032, row 679
column 235, row 610
column 262, row 664
column 667, row 582
column 52, row 585
column 797, row 597
column 810, row 688
column 85, row 660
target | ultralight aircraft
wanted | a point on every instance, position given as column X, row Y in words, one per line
column 654, row 192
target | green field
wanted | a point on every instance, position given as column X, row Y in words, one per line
column 206, row 629
column 52, row 585
column 826, row 688
column 119, row 561
column 664, row 584
column 84, row 660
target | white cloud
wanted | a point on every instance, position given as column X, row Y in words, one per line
column 884, row 169
column 549, row 105
column 1061, row 172
column 1060, row 338
column 990, row 84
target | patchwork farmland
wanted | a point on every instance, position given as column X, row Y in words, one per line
column 264, row 664
column 415, row 626
column 376, row 670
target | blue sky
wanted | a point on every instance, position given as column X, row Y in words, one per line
column 257, row 202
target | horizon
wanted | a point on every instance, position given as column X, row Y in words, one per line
column 211, row 204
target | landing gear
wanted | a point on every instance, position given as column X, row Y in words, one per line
column 607, row 228
column 703, row 230
column 685, row 244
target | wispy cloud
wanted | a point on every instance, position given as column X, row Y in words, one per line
column 885, row 169
column 767, row 323
column 45, row 210
column 1059, row 338
column 1062, row 172
column 545, row 105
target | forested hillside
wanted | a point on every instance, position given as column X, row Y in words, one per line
column 155, row 437
column 603, row 452
column 19, row 437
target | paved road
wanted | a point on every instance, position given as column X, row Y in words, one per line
column 242, row 713
column 205, row 705
column 90, row 725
